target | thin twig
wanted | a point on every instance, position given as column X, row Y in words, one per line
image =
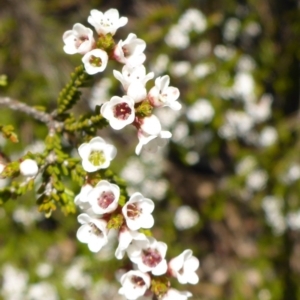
column 31, row 111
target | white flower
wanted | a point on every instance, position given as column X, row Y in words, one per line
column 92, row 232
column 78, row 40
column 126, row 236
column 130, row 51
column 150, row 125
column 81, row 199
column 200, row 111
column 29, row 167
column 104, row 197
column 185, row 217
column 41, row 290
column 119, row 111
column 173, row 294
column 177, row 38
column 95, row 61
column 183, row 267
column 244, row 85
column 164, row 95
column 96, row 154
column 260, row 111
column 149, row 257
column 268, row 136
column 132, row 74
column 137, row 212
column 134, row 284
column 257, row 180
column 151, row 143
column 108, row 22
column 193, row 19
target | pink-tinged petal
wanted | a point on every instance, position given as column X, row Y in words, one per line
column 172, row 93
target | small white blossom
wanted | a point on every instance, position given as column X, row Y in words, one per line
column 104, row 197
column 95, row 61
column 177, row 38
column 152, row 143
column 14, row 282
column 96, row 154
column 130, row 51
column 78, row 40
column 231, row 29
column 293, row 220
column 173, row 294
column 137, row 212
column 185, row 217
column 244, row 86
column 41, row 290
column 200, row 111
column 180, row 68
column 149, row 257
column 257, row 180
column 134, row 284
column 201, row 70
column 193, row 19
column 260, row 111
column 268, row 136
column 133, row 74
column 150, row 125
column 119, row 111
column 44, row 270
column 184, row 267
column 274, row 216
column 92, row 232
column 29, row 167
column 126, row 236
column 107, row 22
column 164, row 95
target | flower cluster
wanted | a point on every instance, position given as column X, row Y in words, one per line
column 104, row 206
column 103, row 211
column 136, row 106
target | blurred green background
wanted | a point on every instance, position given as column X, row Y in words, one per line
column 227, row 186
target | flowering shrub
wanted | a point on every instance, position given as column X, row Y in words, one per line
column 106, row 206
column 175, row 141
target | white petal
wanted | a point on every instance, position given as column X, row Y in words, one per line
column 161, row 268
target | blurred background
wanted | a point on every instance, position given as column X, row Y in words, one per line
column 227, row 185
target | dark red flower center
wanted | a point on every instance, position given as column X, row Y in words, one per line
column 122, row 111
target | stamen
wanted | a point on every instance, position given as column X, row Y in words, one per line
column 97, row 158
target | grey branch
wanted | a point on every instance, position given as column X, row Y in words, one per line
column 31, row 111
